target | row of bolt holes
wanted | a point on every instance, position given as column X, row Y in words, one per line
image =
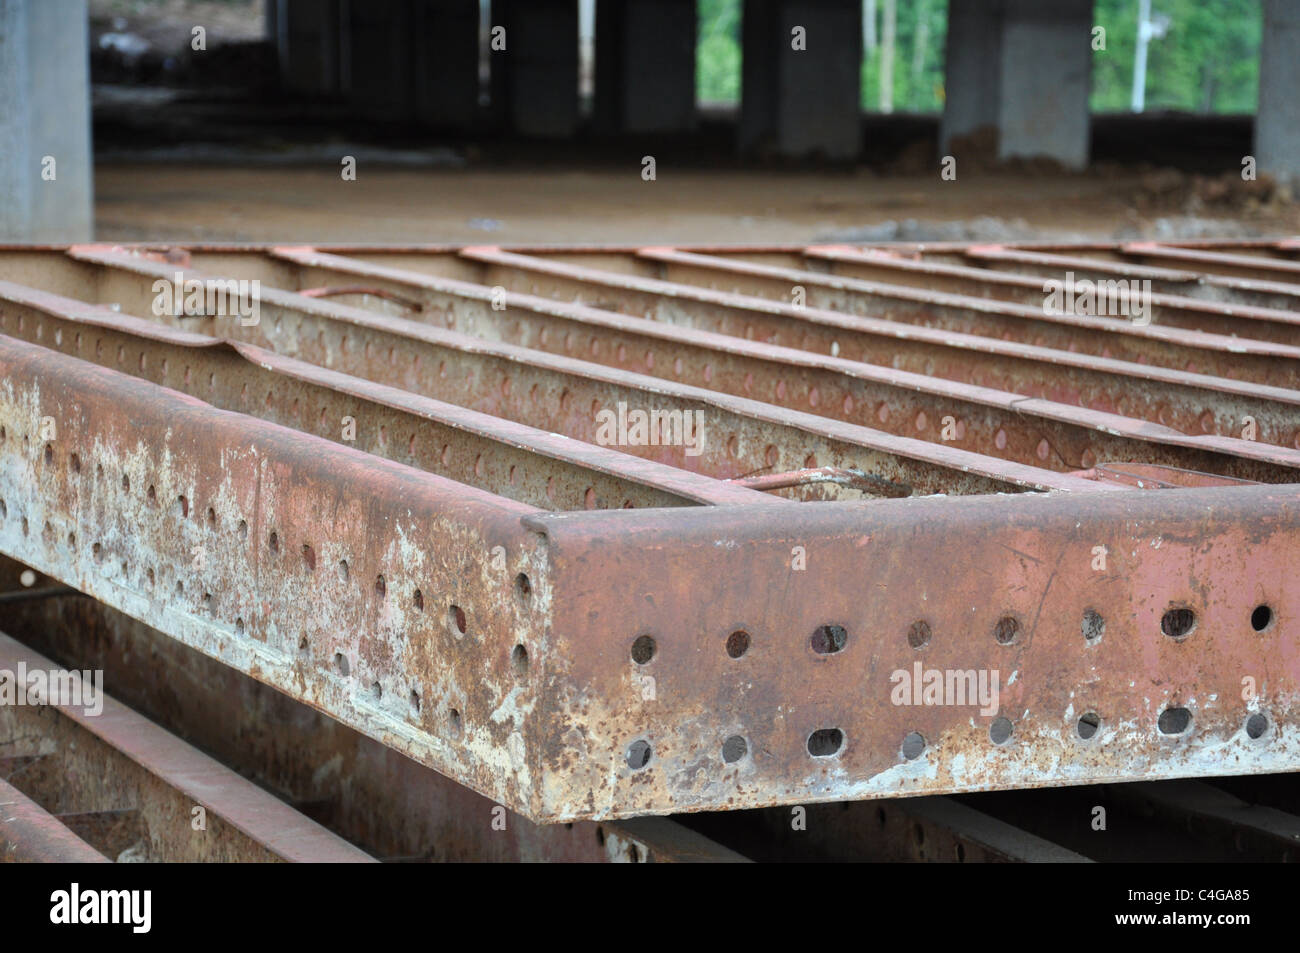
column 456, row 620
column 1177, row 623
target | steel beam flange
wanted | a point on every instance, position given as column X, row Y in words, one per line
column 751, row 657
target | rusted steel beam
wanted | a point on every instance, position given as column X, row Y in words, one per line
column 194, row 808
column 1170, row 397
column 1214, row 354
column 1210, row 814
column 30, row 834
column 564, row 395
column 506, row 458
column 1216, row 262
column 1051, row 263
column 1025, row 430
column 1116, row 667
column 378, row 799
column 1262, row 324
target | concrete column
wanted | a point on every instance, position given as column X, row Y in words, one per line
column 535, row 78
column 446, row 53
column 307, row 44
column 376, row 54
column 1277, row 123
column 802, row 101
column 645, row 65
column 1046, row 78
column 46, row 176
column 1024, row 66
column 973, row 68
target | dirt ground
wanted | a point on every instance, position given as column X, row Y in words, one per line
column 162, row 202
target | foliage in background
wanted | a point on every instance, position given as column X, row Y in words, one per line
column 1206, row 62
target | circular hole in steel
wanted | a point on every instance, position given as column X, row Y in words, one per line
column 341, row 663
column 643, row 649
column 638, row 754
column 1000, row 731
column 913, row 746
column 1174, row 721
column 456, row 619
column 519, row 661
column 1007, row 630
column 734, row 748
column 1093, row 626
column 919, row 634
column 1256, row 725
column 825, row 742
column 737, row 643
column 523, row 587
column 828, row 639
column 1178, row 623
column 1261, row 618
column 381, row 586
column 1088, row 724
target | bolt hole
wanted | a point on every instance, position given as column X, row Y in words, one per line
column 919, row 634
column 1178, row 623
column 49, row 454
column 182, row 507
column 456, row 618
column 643, row 649
column 309, row 557
column 343, row 570
column 453, row 719
column 341, row 663
column 243, row 529
column 1000, row 731
column 418, row 599
column 1256, row 725
column 212, row 519
column 273, row 541
column 376, row 691
column 734, row 748
column 381, row 587
column 1088, row 724
column 1174, row 721
column 825, row 742
column 1007, row 630
column 151, row 494
column 828, row 639
column 737, row 643
column 523, row 587
column 1261, row 618
column 519, row 661
column 414, row 700
column 239, row 626
column 913, row 746
column 1093, row 626
column 76, row 463
column 638, row 754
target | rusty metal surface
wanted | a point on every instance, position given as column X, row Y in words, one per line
column 112, row 759
column 580, row 631
column 30, row 834
column 391, row 807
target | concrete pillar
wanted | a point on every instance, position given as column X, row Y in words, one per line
column 307, row 44
column 445, row 70
column 535, row 78
column 46, row 176
column 973, row 69
column 376, row 54
column 1277, row 123
column 802, row 101
column 645, row 65
column 1025, row 67
column 1046, row 79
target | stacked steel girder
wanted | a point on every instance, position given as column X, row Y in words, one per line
column 388, row 494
